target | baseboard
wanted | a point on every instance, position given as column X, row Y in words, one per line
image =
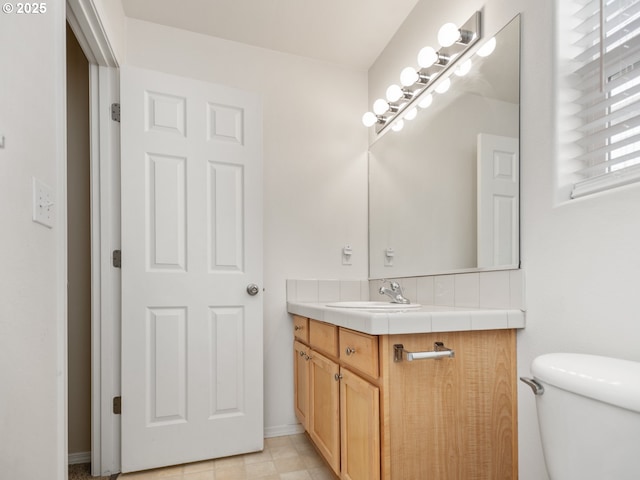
column 282, row 430
column 269, row 432
column 80, row 457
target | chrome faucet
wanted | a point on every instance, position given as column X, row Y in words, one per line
column 395, row 293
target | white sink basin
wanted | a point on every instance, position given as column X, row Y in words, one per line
column 364, row 305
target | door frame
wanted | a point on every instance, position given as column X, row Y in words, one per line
column 87, row 26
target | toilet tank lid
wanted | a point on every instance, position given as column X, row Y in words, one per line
column 609, row 380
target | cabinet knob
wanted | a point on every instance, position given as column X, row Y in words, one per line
column 337, row 377
column 301, row 353
column 350, row 351
column 297, row 327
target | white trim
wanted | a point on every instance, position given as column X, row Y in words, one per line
column 80, row 457
column 283, row 430
column 618, row 178
column 96, row 268
column 60, row 83
column 106, row 315
column 87, row 26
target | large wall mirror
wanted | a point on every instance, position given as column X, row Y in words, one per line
column 444, row 191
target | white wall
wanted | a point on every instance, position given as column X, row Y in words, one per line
column 32, row 275
column 111, row 14
column 580, row 257
column 315, row 175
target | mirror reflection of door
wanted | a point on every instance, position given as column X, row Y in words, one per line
column 498, row 199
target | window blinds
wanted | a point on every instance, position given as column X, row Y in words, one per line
column 607, row 78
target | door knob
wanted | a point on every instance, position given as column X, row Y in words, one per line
column 253, row 289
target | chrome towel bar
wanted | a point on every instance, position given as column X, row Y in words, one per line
column 439, row 351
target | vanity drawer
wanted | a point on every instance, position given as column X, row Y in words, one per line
column 359, row 351
column 301, row 328
column 323, row 337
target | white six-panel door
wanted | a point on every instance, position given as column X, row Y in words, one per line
column 191, row 243
column 498, row 200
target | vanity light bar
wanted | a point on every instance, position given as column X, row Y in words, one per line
column 433, row 72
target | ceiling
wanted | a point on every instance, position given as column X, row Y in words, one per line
column 351, row 33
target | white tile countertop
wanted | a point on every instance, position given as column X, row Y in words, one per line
column 427, row 318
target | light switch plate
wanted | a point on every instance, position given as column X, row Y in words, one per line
column 389, row 253
column 43, row 205
column 347, row 251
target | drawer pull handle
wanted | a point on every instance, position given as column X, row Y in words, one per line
column 439, row 351
column 350, row 351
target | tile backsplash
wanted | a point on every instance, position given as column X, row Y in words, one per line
column 327, row 290
column 494, row 289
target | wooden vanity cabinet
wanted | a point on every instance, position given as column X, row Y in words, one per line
column 375, row 418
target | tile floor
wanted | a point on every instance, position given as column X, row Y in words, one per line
column 284, row 458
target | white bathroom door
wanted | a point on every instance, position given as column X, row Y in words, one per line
column 498, row 200
column 192, row 381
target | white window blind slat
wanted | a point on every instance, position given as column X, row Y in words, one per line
column 609, row 100
column 591, row 26
column 626, row 52
column 608, row 133
column 607, row 149
column 595, row 94
column 599, row 108
column 613, row 165
column 601, row 122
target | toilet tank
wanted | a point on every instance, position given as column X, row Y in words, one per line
column 589, row 416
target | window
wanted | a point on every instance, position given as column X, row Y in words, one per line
column 605, row 77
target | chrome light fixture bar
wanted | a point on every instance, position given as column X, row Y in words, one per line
column 435, row 68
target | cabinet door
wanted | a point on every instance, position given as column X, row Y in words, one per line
column 360, row 428
column 454, row 418
column 301, row 382
column 324, row 412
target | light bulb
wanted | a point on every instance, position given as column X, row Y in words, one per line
column 380, row 106
column 427, row 57
column 443, row 86
column 464, row 68
column 394, row 93
column 488, row 48
column 448, row 34
column 369, row 119
column 411, row 114
column 409, row 76
column 397, row 126
column 426, row 101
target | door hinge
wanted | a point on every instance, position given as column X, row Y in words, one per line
column 117, row 405
column 115, row 112
column 117, row 258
